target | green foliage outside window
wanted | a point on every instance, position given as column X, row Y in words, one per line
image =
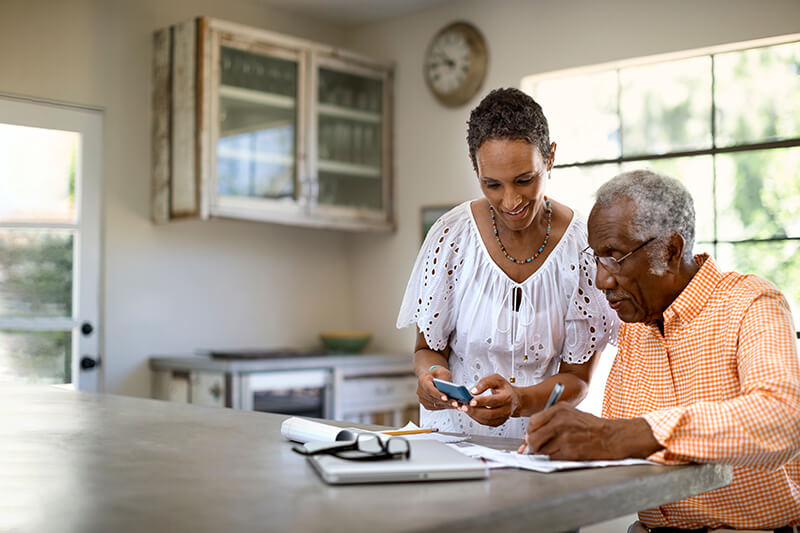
column 742, row 167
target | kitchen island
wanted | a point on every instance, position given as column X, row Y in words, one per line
column 79, row 462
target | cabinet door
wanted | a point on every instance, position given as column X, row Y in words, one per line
column 255, row 119
column 208, row 388
column 350, row 167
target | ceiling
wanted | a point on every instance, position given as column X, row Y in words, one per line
column 354, row 12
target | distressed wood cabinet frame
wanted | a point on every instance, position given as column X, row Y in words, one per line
column 186, row 127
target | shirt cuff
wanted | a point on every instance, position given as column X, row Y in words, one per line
column 662, row 424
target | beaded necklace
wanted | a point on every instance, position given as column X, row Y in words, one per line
column 549, row 211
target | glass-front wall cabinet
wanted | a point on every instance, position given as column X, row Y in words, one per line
column 286, row 130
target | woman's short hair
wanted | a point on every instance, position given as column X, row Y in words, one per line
column 662, row 204
column 508, row 114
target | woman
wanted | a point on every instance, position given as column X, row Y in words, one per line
column 500, row 296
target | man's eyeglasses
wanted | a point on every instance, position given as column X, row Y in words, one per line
column 366, row 447
column 612, row 265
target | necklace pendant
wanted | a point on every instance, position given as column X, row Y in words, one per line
column 512, row 379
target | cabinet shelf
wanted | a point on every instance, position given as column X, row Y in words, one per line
column 351, row 169
column 262, row 157
column 257, row 97
column 352, row 114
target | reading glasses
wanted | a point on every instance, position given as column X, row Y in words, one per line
column 366, row 447
column 611, row 264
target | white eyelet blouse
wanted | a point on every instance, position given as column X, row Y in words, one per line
column 458, row 294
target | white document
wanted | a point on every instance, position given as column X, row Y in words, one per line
column 537, row 463
column 411, row 426
column 302, row 430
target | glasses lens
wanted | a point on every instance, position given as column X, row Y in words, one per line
column 369, row 444
column 397, row 446
column 609, row 264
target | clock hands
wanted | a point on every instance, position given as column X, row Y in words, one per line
column 445, row 58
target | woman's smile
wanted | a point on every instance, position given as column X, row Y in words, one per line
column 519, row 213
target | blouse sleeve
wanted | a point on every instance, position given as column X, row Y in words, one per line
column 429, row 298
column 590, row 324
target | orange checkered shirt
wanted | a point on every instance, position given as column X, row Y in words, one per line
column 721, row 385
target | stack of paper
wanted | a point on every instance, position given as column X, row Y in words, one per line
column 538, row 463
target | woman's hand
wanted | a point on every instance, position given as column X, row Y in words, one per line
column 429, row 396
column 495, row 409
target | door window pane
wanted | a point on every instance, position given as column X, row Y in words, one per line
column 582, row 116
column 576, row 186
column 666, row 107
column 778, row 262
column 257, row 130
column 36, row 356
column 758, row 194
column 37, row 174
column 757, row 94
column 36, row 273
column 697, row 175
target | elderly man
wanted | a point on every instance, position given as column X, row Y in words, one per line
column 707, row 369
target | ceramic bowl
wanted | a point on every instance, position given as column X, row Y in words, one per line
column 345, row 341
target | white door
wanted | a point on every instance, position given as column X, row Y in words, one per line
column 50, row 165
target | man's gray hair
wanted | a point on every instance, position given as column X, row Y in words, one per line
column 662, row 206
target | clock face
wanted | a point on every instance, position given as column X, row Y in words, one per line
column 448, row 62
column 455, row 63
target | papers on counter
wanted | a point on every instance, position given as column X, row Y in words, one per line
column 302, row 430
column 537, row 463
column 411, row 426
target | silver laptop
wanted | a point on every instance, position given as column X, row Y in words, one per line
column 430, row 460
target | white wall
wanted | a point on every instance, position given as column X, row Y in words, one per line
column 524, row 37
column 174, row 288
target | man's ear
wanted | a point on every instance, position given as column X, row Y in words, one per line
column 674, row 255
column 472, row 160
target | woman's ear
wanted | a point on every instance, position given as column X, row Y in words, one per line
column 552, row 156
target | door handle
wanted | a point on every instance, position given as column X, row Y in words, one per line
column 88, row 363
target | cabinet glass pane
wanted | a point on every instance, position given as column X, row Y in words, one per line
column 35, row 356
column 36, row 273
column 777, row 261
column 257, row 125
column 697, row 174
column 666, row 107
column 757, row 94
column 349, row 140
column 758, row 194
column 37, row 174
column 582, row 115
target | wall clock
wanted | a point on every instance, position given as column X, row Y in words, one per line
column 455, row 63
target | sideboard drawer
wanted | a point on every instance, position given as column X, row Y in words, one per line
column 377, row 393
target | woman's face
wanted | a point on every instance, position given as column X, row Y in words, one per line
column 512, row 175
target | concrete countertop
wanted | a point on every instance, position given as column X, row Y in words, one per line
column 79, row 462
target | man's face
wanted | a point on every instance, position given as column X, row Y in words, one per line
column 636, row 294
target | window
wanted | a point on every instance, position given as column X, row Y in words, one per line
column 725, row 122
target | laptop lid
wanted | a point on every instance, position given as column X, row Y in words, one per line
column 430, row 460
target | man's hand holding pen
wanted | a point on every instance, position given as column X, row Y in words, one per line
column 565, row 433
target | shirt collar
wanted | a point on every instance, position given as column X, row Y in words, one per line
column 694, row 297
